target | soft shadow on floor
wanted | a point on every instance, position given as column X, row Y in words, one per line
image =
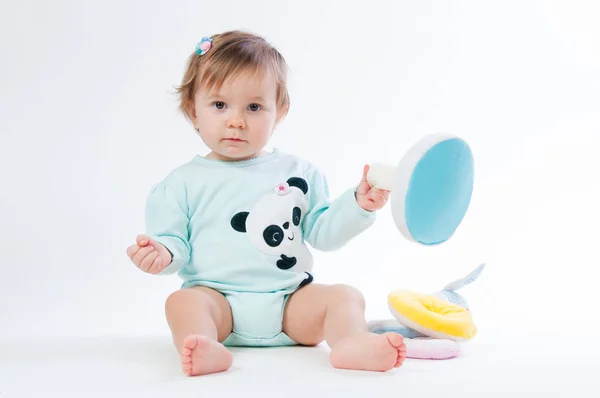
column 150, row 367
column 144, row 356
column 105, row 363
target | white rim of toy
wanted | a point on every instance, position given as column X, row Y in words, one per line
column 405, row 169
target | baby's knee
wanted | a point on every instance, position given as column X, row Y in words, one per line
column 188, row 297
column 347, row 294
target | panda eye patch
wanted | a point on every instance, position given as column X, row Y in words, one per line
column 296, row 215
column 273, row 235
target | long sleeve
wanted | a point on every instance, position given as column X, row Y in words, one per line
column 167, row 222
column 329, row 225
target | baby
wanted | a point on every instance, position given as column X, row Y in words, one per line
column 234, row 225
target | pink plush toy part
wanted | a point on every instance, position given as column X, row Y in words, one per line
column 431, row 348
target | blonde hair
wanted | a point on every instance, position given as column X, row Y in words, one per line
column 231, row 53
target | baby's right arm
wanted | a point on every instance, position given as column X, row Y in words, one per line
column 166, row 229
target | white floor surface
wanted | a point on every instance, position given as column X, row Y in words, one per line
column 149, row 367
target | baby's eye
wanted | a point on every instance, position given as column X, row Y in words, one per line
column 219, row 105
column 254, row 107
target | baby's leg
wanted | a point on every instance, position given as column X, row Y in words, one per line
column 336, row 314
column 200, row 319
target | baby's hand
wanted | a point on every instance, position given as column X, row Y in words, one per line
column 370, row 198
column 149, row 255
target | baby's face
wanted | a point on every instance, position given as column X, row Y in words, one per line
column 237, row 120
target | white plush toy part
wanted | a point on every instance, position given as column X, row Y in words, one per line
column 381, row 176
column 430, row 188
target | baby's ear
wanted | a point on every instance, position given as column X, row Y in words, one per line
column 281, row 114
column 190, row 112
column 238, row 222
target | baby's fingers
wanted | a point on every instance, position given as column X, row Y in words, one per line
column 141, row 255
column 156, row 266
column 147, row 262
column 376, row 197
column 132, row 250
column 383, row 192
column 142, row 240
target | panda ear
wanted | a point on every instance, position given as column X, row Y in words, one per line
column 238, row 222
column 298, row 183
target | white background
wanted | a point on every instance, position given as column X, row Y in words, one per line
column 88, row 122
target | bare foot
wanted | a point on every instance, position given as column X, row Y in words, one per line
column 200, row 355
column 369, row 351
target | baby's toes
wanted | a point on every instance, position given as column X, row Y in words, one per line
column 395, row 340
column 401, row 358
column 187, row 369
column 189, row 344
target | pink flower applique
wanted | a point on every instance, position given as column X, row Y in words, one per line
column 282, row 189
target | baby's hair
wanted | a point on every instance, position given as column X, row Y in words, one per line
column 233, row 52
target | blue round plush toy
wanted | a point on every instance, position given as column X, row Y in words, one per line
column 430, row 188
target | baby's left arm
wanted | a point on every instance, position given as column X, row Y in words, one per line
column 329, row 225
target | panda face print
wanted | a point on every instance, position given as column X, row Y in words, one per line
column 273, row 225
column 275, row 234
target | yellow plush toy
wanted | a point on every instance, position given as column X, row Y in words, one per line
column 432, row 316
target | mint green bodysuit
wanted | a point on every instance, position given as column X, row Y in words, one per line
column 242, row 228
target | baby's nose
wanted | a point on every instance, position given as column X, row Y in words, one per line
column 286, row 225
column 236, row 122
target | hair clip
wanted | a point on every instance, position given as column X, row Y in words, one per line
column 204, row 45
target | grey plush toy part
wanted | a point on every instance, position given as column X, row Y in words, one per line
column 448, row 293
